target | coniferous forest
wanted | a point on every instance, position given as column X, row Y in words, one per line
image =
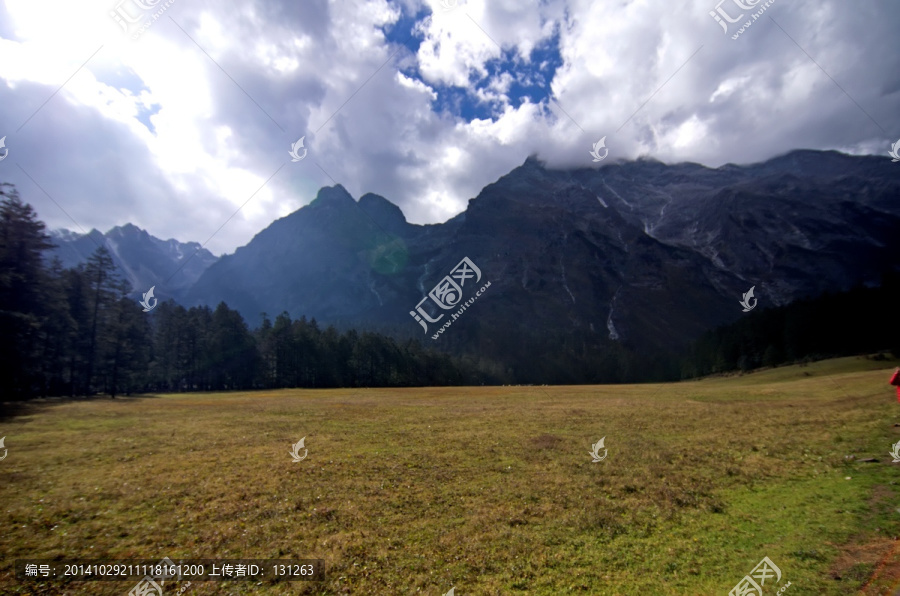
column 861, row 320
column 74, row 332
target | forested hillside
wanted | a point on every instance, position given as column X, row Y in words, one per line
column 841, row 324
column 73, row 332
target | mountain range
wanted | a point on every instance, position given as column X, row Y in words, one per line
column 140, row 259
column 633, row 253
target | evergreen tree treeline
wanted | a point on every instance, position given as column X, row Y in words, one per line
column 68, row 332
column 842, row 324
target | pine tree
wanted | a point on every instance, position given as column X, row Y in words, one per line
column 57, row 334
column 23, row 283
column 104, row 288
column 126, row 348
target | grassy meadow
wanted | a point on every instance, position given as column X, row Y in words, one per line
column 490, row 490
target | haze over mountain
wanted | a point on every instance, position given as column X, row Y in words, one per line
column 639, row 253
column 141, row 259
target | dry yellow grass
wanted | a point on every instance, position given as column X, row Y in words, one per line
column 488, row 489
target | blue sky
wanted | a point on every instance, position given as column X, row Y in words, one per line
column 184, row 128
column 518, row 78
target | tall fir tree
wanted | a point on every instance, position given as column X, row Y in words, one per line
column 23, row 287
column 104, row 288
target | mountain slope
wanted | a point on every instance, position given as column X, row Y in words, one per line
column 636, row 254
column 141, row 259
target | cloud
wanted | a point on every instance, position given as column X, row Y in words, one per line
column 188, row 127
